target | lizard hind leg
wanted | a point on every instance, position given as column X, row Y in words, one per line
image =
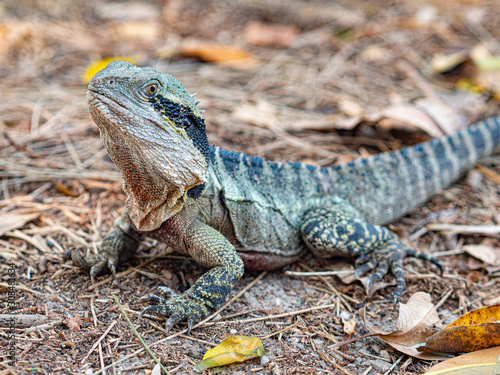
column 338, row 229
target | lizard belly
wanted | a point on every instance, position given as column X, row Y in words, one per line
column 265, row 237
column 265, row 231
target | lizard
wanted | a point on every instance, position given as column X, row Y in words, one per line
column 230, row 211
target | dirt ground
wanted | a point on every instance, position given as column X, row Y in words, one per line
column 301, row 80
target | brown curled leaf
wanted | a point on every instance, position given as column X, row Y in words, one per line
column 464, row 338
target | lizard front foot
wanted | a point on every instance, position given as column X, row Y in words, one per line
column 174, row 307
column 95, row 263
column 117, row 247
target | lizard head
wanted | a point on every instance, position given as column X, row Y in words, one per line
column 155, row 135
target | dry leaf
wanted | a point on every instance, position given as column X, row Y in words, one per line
column 408, row 117
column 482, row 252
column 464, row 339
column 10, row 221
column 349, row 326
column 265, row 114
column 233, row 349
column 156, row 370
column 487, row 314
column 412, row 328
column 473, row 331
column 445, row 63
column 99, row 65
column 231, row 56
column 480, row 362
column 261, row 34
column 350, row 107
column 74, row 323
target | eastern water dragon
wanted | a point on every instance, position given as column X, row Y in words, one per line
column 231, row 211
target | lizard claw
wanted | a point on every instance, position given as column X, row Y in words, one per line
column 175, row 308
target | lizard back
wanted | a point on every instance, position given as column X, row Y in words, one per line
column 261, row 203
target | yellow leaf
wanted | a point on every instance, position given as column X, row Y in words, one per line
column 99, row 65
column 233, row 349
column 487, row 314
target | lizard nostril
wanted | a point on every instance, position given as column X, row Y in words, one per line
column 111, row 82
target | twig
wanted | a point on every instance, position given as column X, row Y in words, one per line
column 318, row 273
column 394, row 365
column 464, row 229
column 284, row 315
column 98, row 341
column 139, row 337
column 280, row 331
column 341, row 296
column 327, row 358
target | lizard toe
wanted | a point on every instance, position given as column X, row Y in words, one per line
column 397, row 271
column 362, row 268
column 167, row 292
column 172, row 321
column 97, row 268
column 161, row 310
column 176, row 309
column 381, row 271
column 191, row 320
column 151, row 300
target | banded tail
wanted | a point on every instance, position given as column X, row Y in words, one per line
column 387, row 186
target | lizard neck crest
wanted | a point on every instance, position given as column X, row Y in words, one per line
column 158, row 142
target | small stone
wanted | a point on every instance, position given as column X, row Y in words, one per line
column 380, row 366
column 89, row 371
column 264, row 360
column 345, row 315
column 233, row 332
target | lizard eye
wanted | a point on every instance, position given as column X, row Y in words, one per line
column 187, row 122
column 150, row 90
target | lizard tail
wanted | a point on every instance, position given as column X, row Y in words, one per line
column 386, row 186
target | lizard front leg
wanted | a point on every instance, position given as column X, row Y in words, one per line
column 117, row 247
column 211, row 249
column 338, row 229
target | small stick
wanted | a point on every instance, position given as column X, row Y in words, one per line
column 284, row 315
column 394, row 365
column 139, row 337
column 334, row 364
column 99, row 341
column 332, row 288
